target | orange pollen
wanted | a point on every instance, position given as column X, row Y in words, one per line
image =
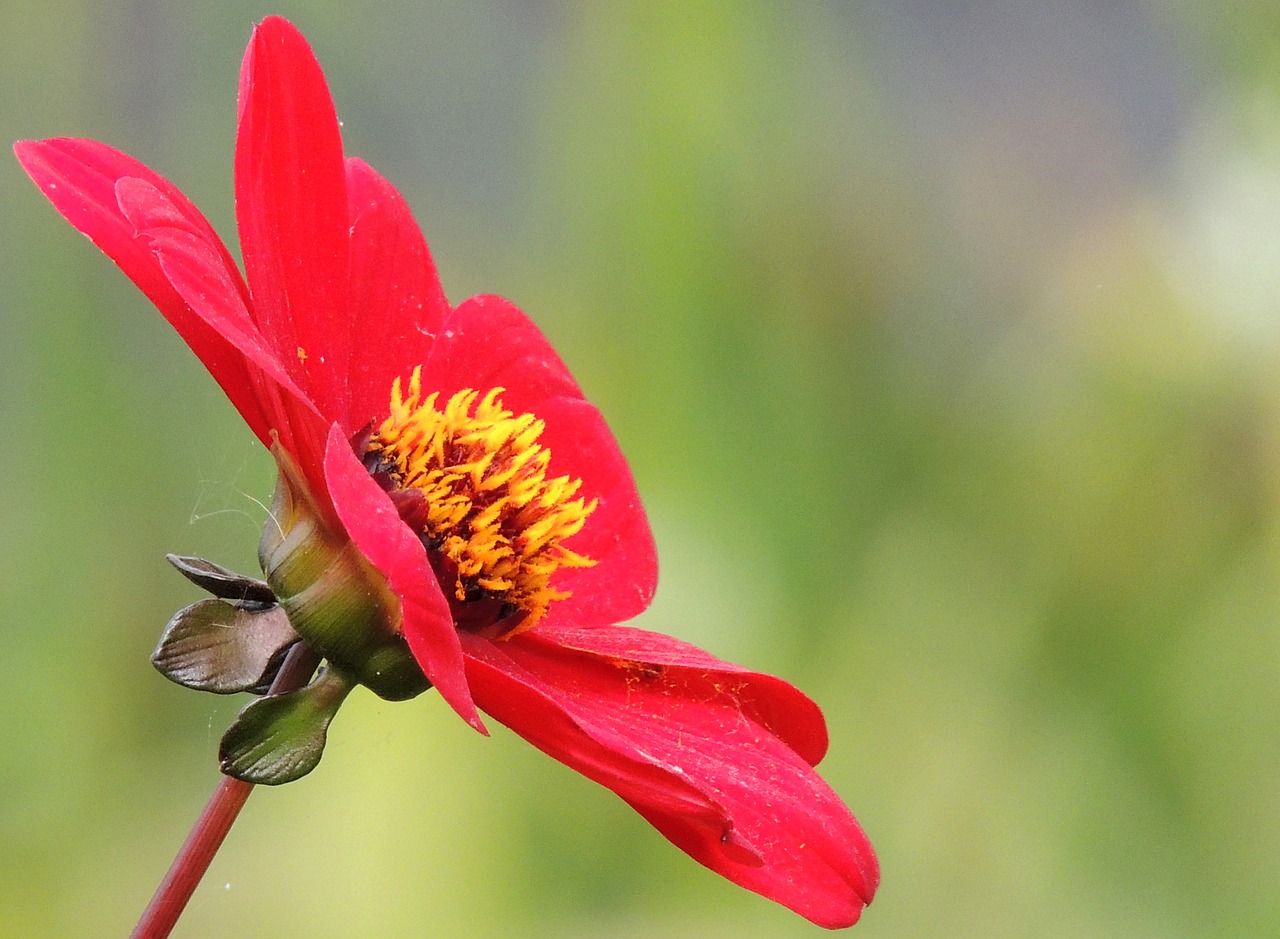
column 489, row 509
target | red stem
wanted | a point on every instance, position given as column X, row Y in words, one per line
column 215, row 821
column 193, row 859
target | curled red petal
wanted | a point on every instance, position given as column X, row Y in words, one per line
column 291, row 208
column 387, row 543
column 210, row 285
column 688, row 751
column 488, row 342
column 397, row 305
column 79, row 177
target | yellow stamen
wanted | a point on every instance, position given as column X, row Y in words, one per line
column 490, row 508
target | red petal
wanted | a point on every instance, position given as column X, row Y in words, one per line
column 211, row 286
column 685, row 746
column 617, row 536
column 779, row 707
column 79, row 177
column 291, row 206
column 397, row 304
column 373, row 524
column 489, row 343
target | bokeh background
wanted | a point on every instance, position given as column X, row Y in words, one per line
column 944, row 339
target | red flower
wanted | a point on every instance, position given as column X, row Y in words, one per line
column 339, row 304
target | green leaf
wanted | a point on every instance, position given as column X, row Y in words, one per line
column 220, row 647
column 281, row 737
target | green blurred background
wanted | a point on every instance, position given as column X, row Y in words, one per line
column 943, row 339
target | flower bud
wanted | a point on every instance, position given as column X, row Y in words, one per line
column 335, row 599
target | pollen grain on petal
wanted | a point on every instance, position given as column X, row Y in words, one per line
column 493, row 519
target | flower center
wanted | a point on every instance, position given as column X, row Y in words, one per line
column 471, row 479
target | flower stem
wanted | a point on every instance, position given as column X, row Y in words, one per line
column 210, row 829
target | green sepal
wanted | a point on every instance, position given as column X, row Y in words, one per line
column 281, row 737
column 336, row 600
column 224, row 648
column 222, row 582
